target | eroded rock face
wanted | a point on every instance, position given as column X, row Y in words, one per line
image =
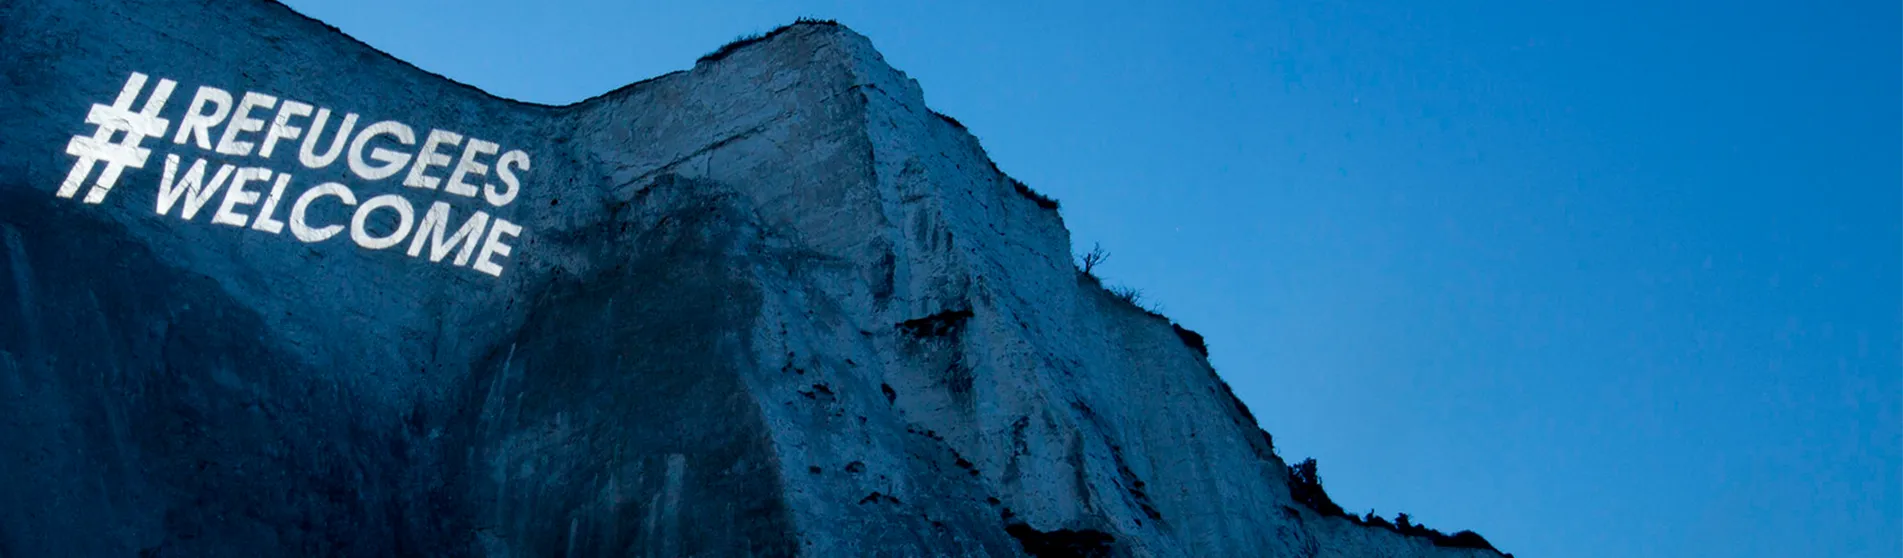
column 769, row 306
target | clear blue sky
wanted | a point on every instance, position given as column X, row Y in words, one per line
column 1594, row 279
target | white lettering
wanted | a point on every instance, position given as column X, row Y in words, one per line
column 405, row 216
column 512, row 158
column 264, row 222
column 393, row 161
column 281, row 127
column 256, row 123
column 236, row 195
column 493, row 246
column 301, row 228
column 468, row 165
column 241, row 121
column 189, row 186
column 435, row 221
column 307, row 153
column 197, row 123
column 428, row 157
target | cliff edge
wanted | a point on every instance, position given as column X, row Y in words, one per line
column 264, row 289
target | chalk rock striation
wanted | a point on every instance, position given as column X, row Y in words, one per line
column 769, row 306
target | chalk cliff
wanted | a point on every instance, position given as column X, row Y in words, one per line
column 769, row 306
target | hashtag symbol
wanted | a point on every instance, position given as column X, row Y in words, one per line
column 99, row 147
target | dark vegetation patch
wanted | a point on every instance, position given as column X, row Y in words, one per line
column 731, row 46
column 1377, row 521
column 1241, row 408
column 1403, row 525
column 1464, row 539
column 1042, row 201
column 748, row 39
column 1305, row 486
column 1129, row 295
column 1192, row 339
column 949, row 120
column 1062, row 543
column 1087, row 264
column 941, row 324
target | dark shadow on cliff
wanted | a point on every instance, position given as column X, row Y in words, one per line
column 616, row 422
column 144, row 412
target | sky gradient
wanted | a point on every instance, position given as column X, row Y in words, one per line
column 1592, row 279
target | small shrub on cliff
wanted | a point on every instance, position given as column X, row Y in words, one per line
column 1089, row 261
column 1375, row 520
column 1305, row 486
column 1405, row 525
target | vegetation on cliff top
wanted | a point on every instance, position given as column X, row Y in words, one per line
column 1305, row 486
column 748, row 39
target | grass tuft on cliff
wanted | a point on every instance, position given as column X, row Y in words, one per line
column 751, row 38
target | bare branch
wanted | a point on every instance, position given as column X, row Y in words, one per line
column 1096, row 257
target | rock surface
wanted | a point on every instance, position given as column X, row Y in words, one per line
column 769, row 306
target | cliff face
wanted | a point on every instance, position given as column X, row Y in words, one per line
column 769, row 306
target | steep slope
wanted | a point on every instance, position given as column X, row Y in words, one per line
column 772, row 305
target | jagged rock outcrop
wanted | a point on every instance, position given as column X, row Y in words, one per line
column 769, row 306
